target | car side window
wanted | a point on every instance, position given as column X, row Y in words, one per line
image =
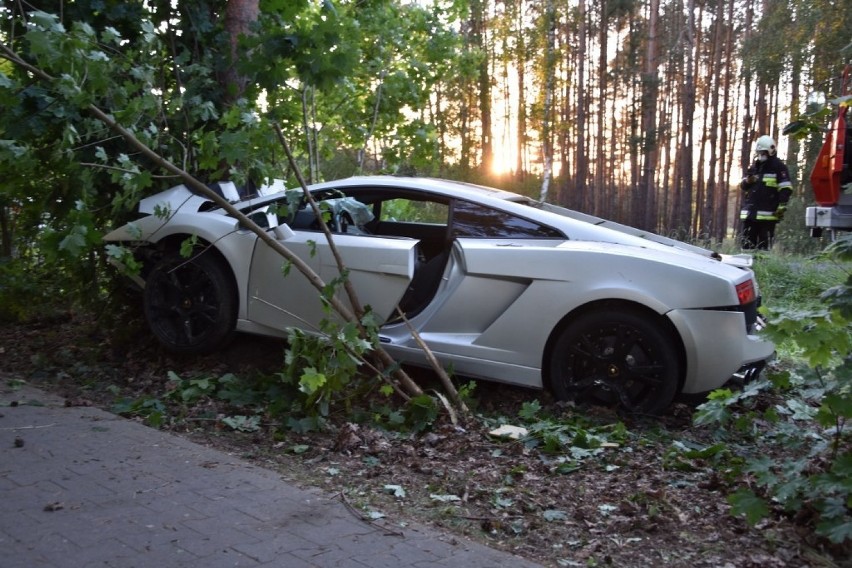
column 402, row 210
column 475, row 220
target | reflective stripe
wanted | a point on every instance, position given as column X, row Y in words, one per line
column 761, row 215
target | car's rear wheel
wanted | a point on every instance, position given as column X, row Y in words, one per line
column 190, row 304
column 618, row 356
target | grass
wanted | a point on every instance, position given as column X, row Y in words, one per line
column 796, row 281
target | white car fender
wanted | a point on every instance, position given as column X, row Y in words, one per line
column 153, row 229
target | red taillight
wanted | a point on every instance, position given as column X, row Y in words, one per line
column 745, row 292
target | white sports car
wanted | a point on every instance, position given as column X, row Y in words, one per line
column 498, row 285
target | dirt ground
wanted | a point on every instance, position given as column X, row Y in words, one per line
column 627, row 505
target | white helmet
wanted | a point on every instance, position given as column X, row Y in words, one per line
column 765, row 144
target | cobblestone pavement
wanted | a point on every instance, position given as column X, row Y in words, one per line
column 80, row 487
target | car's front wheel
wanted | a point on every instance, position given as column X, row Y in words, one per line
column 190, row 303
column 618, row 356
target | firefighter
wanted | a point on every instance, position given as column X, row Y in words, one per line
column 766, row 191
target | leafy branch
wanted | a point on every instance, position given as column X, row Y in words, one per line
column 159, row 161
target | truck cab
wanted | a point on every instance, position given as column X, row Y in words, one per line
column 831, row 177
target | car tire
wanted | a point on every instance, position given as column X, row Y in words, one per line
column 191, row 303
column 616, row 356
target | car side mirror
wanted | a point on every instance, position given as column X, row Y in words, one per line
column 283, row 232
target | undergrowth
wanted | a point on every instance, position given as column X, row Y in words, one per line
column 780, row 446
column 788, row 449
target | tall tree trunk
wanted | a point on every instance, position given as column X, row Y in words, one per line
column 478, row 12
column 5, row 233
column 792, row 158
column 520, row 169
column 683, row 206
column 645, row 199
column 549, row 88
column 720, row 211
column 600, row 158
column 582, row 201
column 239, row 16
column 748, row 117
column 564, row 138
column 666, row 121
column 706, row 229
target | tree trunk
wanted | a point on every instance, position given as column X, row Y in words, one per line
column 239, row 16
column 582, row 200
column 600, row 158
column 683, row 205
column 720, row 211
column 478, row 10
column 550, row 86
column 5, row 233
column 521, row 64
column 706, row 229
column 650, row 80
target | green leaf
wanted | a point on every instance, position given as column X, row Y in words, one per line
column 243, row 423
column 311, row 381
column 567, row 467
column 188, row 245
column 835, row 530
column 744, row 502
column 529, row 410
column 839, row 404
column 801, row 410
column 75, row 241
column 842, row 466
column 762, row 468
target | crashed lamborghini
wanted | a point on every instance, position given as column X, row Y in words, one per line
column 498, row 285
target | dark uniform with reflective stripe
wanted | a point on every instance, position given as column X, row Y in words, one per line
column 767, row 189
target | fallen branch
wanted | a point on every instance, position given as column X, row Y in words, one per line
column 357, row 514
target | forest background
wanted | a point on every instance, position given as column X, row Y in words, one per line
column 639, row 111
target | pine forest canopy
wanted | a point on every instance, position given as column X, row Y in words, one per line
column 639, row 111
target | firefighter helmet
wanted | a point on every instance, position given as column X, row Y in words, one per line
column 765, row 144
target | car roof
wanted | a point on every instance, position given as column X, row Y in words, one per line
column 440, row 186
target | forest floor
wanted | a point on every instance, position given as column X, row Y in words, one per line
column 635, row 501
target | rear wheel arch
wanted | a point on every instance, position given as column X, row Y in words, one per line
column 173, row 244
column 630, row 309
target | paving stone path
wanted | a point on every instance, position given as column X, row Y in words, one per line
column 80, row 487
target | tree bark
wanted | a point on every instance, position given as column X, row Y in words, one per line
column 582, row 200
column 239, row 17
column 603, row 61
column 549, row 88
column 683, row 205
column 645, row 200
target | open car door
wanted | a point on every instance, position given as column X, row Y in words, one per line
column 380, row 270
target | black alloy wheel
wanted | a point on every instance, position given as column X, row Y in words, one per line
column 191, row 304
column 616, row 356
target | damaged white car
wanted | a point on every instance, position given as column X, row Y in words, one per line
column 498, row 285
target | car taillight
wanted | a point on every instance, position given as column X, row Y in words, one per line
column 745, row 292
